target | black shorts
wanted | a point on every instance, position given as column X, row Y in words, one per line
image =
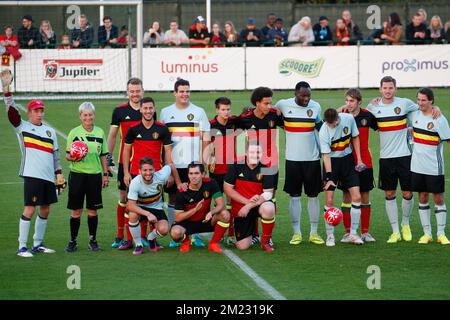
column 183, row 174
column 219, row 179
column 38, row 192
column 193, row 227
column 159, row 214
column 120, row 175
column 366, row 181
column 393, row 170
column 85, row 185
column 245, row 227
column 343, row 174
column 303, row 174
column 427, row 183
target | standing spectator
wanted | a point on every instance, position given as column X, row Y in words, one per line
column 416, row 30
column 447, row 31
column 198, row 33
column 107, row 33
column 84, row 35
column 435, row 31
column 65, row 42
column 301, row 32
column 251, row 36
column 392, row 30
column 27, row 34
column 322, row 32
column 46, row 37
column 230, row 32
column 87, row 176
column 154, row 35
column 342, row 33
column 175, row 36
column 354, row 33
column 269, row 26
column 278, row 36
column 217, row 38
column 124, row 37
column 423, row 15
column 10, row 42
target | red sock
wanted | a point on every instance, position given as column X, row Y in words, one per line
column 346, row 207
column 231, row 228
column 365, row 218
column 127, row 229
column 143, row 224
column 120, row 219
column 219, row 231
column 267, row 227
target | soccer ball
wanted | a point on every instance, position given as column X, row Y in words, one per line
column 78, row 150
column 333, row 216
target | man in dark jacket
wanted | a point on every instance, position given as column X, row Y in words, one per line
column 416, row 30
column 322, row 32
column 355, row 33
column 107, row 33
column 84, row 35
column 27, row 34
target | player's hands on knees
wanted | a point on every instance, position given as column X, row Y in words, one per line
column 208, row 217
column 255, row 198
column 243, row 212
column 328, row 185
column 151, row 218
column 105, row 181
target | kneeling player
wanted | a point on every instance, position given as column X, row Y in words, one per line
column 336, row 137
column 251, row 192
column 145, row 202
column 193, row 213
column 427, row 164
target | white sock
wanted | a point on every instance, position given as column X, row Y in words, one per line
column 135, row 230
column 329, row 229
column 392, row 213
column 295, row 209
column 153, row 235
column 39, row 231
column 407, row 208
column 24, row 230
column 355, row 213
column 170, row 210
column 314, row 211
column 441, row 216
column 424, row 214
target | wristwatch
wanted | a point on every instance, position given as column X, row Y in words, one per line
column 105, row 174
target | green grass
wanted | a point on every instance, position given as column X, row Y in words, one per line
column 408, row 270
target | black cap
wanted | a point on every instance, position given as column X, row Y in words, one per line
column 28, row 17
column 323, row 18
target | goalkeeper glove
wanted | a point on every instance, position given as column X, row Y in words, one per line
column 60, row 183
column 6, row 78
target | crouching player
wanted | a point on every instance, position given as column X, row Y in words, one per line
column 193, row 213
column 427, row 164
column 251, row 193
column 145, row 201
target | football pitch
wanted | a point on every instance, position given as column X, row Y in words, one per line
column 407, row 270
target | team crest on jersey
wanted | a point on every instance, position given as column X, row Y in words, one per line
column 155, row 135
column 364, row 122
column 190, row 116
column 309, row 113
column 49, row 134
column 271, row 123
column 345, row 130
column 259, row 176
column 430, row 125
column 205, row 194
column 397, row 110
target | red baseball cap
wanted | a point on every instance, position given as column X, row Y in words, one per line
column 36, row 104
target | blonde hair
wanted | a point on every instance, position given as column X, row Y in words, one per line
column 233, row 30
column 440, row 26
column 50, row 29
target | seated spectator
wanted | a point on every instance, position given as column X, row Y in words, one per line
column 107, row 33
column 65, row 42
column 354, row 33
column 322, row 32
column 301, row 32
column 46, row 36
column 392, row 30
column 216, row 37
column 230, row 32
column 175, row 36
column 416, row 30
column 423, row 15
column 342, row 33
column 198, row 33
column 124, row 38
column 269, row 26
column 436, row 32
column 250, row 36
column 27, row 34
column 10, row 43
column 154, row 35
column 84, row 35
column 278, row 36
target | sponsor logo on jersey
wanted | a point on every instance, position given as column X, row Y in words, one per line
column 430, row 125
column 310, row 69
column 309, row 113
column 345, row 130
column 190, row 116
column 397, row 110
column 155, row 135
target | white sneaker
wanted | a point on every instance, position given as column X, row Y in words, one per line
column 355, row 239
column 330, row 241
column 367, row 237
column 346, row 238
column 23, row 252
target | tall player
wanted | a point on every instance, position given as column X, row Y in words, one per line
column 40, row 164
column 124, row 116
column 427, row 164
column 302, row 117
column 190, row 128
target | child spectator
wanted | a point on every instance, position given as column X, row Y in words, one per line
column 10, row 43
column 65, row 42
